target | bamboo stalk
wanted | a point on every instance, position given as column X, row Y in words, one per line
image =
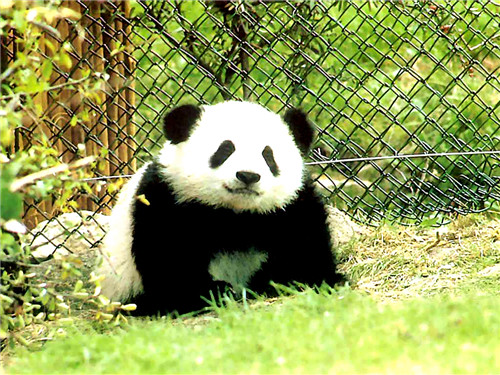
column 47, row 204
column 97, row 61
column 111, row 108
column 63, row 97
column 115, row 127
column 119, row 102
column 130, row 65
column 78, row 135
column 90, row 144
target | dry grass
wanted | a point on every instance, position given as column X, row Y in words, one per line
column 402, row 262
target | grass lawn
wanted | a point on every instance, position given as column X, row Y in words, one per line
column 344, row 332
column 422, row 301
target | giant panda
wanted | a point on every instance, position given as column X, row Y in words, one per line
column 226, row 203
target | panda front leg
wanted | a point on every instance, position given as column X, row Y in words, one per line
column 183, row 287
column 304, row 264
column 300, row 249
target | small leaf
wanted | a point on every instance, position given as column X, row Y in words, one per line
column 69, row 13
column 63, row 306
column 129, row 307
column 81, row 295
column 78, row 286
column 22, row 340
column 103, row 300
column 65, row 60
column 84, row 115
column 47, row 69
column 142, row 198
column 12, row 203
column 40, row 316
column 105, row 316
column 49, row 45
column 427, row 223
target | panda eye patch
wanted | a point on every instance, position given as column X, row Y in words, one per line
column 224, row 151
column 271, row 163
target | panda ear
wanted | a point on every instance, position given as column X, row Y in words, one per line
column 301, row 128
column 177, row 124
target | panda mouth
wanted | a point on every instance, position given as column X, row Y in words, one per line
column 242, row 191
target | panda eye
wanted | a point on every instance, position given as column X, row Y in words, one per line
column 271, row 163
column 224, row 151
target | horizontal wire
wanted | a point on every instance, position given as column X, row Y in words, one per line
column 373, row 158
column 105, row 178
column 411, row 156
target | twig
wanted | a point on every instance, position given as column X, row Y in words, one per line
column 241, row 32
column 190, row 44
column 187, row 49
column 56, row 87
column 19, row 183
column 48, row 29
column 434, row 244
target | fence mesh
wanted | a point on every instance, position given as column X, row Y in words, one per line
column 376, row 78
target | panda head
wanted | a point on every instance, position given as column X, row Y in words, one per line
column 236, row 155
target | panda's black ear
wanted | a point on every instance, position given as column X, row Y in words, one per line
column 177, row 124
column 302, row 130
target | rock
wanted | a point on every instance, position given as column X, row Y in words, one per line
column 342, row 228
column 75, row 232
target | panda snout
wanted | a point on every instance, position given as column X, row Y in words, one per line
column 248, row 178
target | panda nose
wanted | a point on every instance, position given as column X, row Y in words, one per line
column 248, row 177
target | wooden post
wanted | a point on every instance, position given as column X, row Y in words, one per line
column 112, row 127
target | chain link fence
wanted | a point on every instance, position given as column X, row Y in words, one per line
column 377, row 79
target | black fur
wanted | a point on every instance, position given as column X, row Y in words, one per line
column 224, row 151
column 174, row 243
column 301, row 128
column 268, row 155
column 178, row 123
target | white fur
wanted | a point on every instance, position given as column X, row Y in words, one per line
column 236, row 268
column 251, row 128
column 122, row 280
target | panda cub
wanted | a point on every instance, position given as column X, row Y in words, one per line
column 226, row 203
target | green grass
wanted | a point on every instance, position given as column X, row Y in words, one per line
column 343, row 332
column 422, row 300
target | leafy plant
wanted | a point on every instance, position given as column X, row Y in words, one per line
column 37, row 171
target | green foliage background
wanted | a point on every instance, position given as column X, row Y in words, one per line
column 377, row 78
